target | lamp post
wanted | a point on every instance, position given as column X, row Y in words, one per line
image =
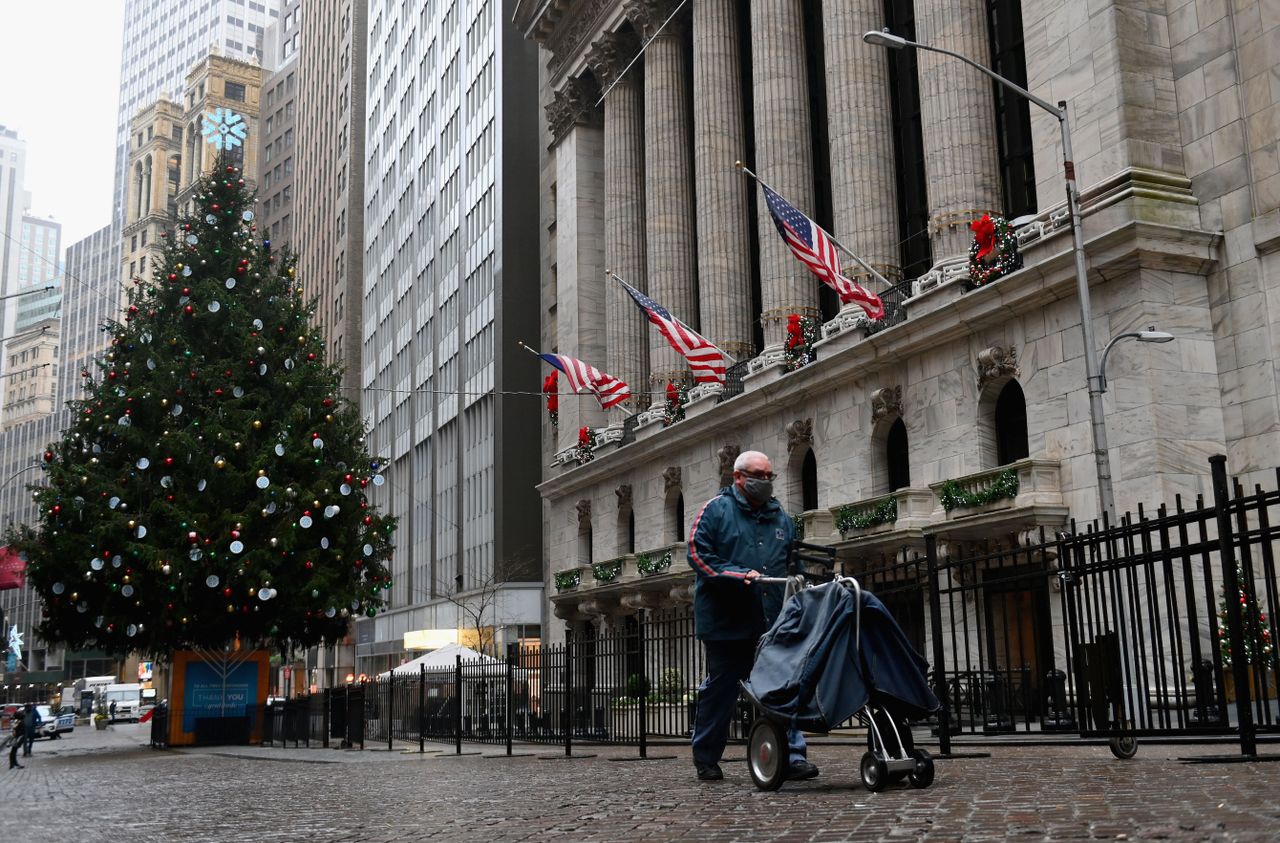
column 1149, row 335
column 1106, row 496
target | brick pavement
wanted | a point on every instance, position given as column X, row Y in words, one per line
column 109, row 787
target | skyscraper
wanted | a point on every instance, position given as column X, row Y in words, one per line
column 163, row 40
column 451, row 281
column 276, row 212
column 14, row 200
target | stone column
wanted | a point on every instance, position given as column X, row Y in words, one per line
column 578, row 150
column 719, row 139
column 864, row 194
column 958, row 121
column 626, row 329
column 668, row 171
column 784, row 158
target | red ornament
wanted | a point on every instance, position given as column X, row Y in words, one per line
column 368, row 519
column 168, row 460
column 48, row 456
column 188, row 310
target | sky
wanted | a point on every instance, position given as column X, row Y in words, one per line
column 61, row 90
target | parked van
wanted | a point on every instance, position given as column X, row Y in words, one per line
column 128, row 699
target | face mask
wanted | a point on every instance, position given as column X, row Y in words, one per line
column 757, row 488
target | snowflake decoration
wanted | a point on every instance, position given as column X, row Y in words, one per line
column 224, row 128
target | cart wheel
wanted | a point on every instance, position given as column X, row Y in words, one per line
column 1123, row 747
column 875, row 773
column 922, row 775
column 767, row 754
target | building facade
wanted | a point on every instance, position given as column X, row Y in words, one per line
column 967, row 390
column 14, row 200
column 450, row 214
column 278, row 138
column 31, row 385
column 162, row 41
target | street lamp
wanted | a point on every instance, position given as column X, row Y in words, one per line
column 1149, row 335
column 1106, row 496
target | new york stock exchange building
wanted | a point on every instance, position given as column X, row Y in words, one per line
column 963, row 413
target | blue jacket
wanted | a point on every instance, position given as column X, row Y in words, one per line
column 728, row 539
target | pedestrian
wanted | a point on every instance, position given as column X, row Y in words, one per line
column 737, row 536
column 17, row 739
column 112, row 710
column 31, row 721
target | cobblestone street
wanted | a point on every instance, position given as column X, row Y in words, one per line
column 107, row 786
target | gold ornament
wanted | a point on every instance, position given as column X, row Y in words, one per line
column 328, row 419
column 219, row 463
column 262, row 472
column 236, row 446
column 257, row 424
column 133, row 524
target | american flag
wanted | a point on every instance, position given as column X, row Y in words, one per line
column 609, row 390
column 705, row 360
column 808, row 242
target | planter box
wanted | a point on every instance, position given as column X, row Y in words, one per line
column 1229, row 684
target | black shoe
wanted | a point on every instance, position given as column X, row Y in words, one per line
column 801, row 770
column 709, row 772
column 16, row 767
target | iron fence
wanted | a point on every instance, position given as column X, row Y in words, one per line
column 1160, row 625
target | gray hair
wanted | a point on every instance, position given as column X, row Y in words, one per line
column 747, row 456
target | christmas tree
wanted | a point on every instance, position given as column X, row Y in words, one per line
column 1258, row 648
column 212, row 488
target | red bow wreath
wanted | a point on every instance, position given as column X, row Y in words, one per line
column 584, row 437
column 673, row 394
column 984, row 230
column 795, row 332
column 550, row 389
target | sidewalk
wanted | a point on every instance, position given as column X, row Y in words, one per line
column 379, row 796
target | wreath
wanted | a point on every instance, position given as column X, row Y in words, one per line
column 994, row 251
column 673, row 410
column 586, row 450
column 551, row 389
column 802, row 333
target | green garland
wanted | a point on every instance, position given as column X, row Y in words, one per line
column 566, row 580
column 797, row 349
column 673, row 409
column 953, row 495
column 607, row 571
column 848, row 520
column 647, row 565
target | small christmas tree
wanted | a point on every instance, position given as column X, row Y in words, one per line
column 1258, row 648
column 212, row 488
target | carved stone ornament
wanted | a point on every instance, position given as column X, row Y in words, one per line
column 584, row 509
column 570, row 31
column 610, row 55
column 727, row 455
column 648, row 15
column 671, row 478
column 799, row 432
column 885, row 403
column 574, row 104
column 624, row 496
column 997, row 362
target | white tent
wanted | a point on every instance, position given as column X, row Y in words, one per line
column 446, row 658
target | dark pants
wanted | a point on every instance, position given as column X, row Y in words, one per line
column 13, row 753
column 728, row 663
column 27, row 740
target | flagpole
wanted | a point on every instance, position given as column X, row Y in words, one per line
column 747, row 171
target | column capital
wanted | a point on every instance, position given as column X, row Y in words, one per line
column 573, row 104
column 610, row 55
column 648, row 15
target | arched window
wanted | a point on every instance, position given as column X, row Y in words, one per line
column 897, row 460
column 809, row 482
column 1011, row 424
column 584, row 541
column 677, row 517
column 626, row 530
column 137, row 190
